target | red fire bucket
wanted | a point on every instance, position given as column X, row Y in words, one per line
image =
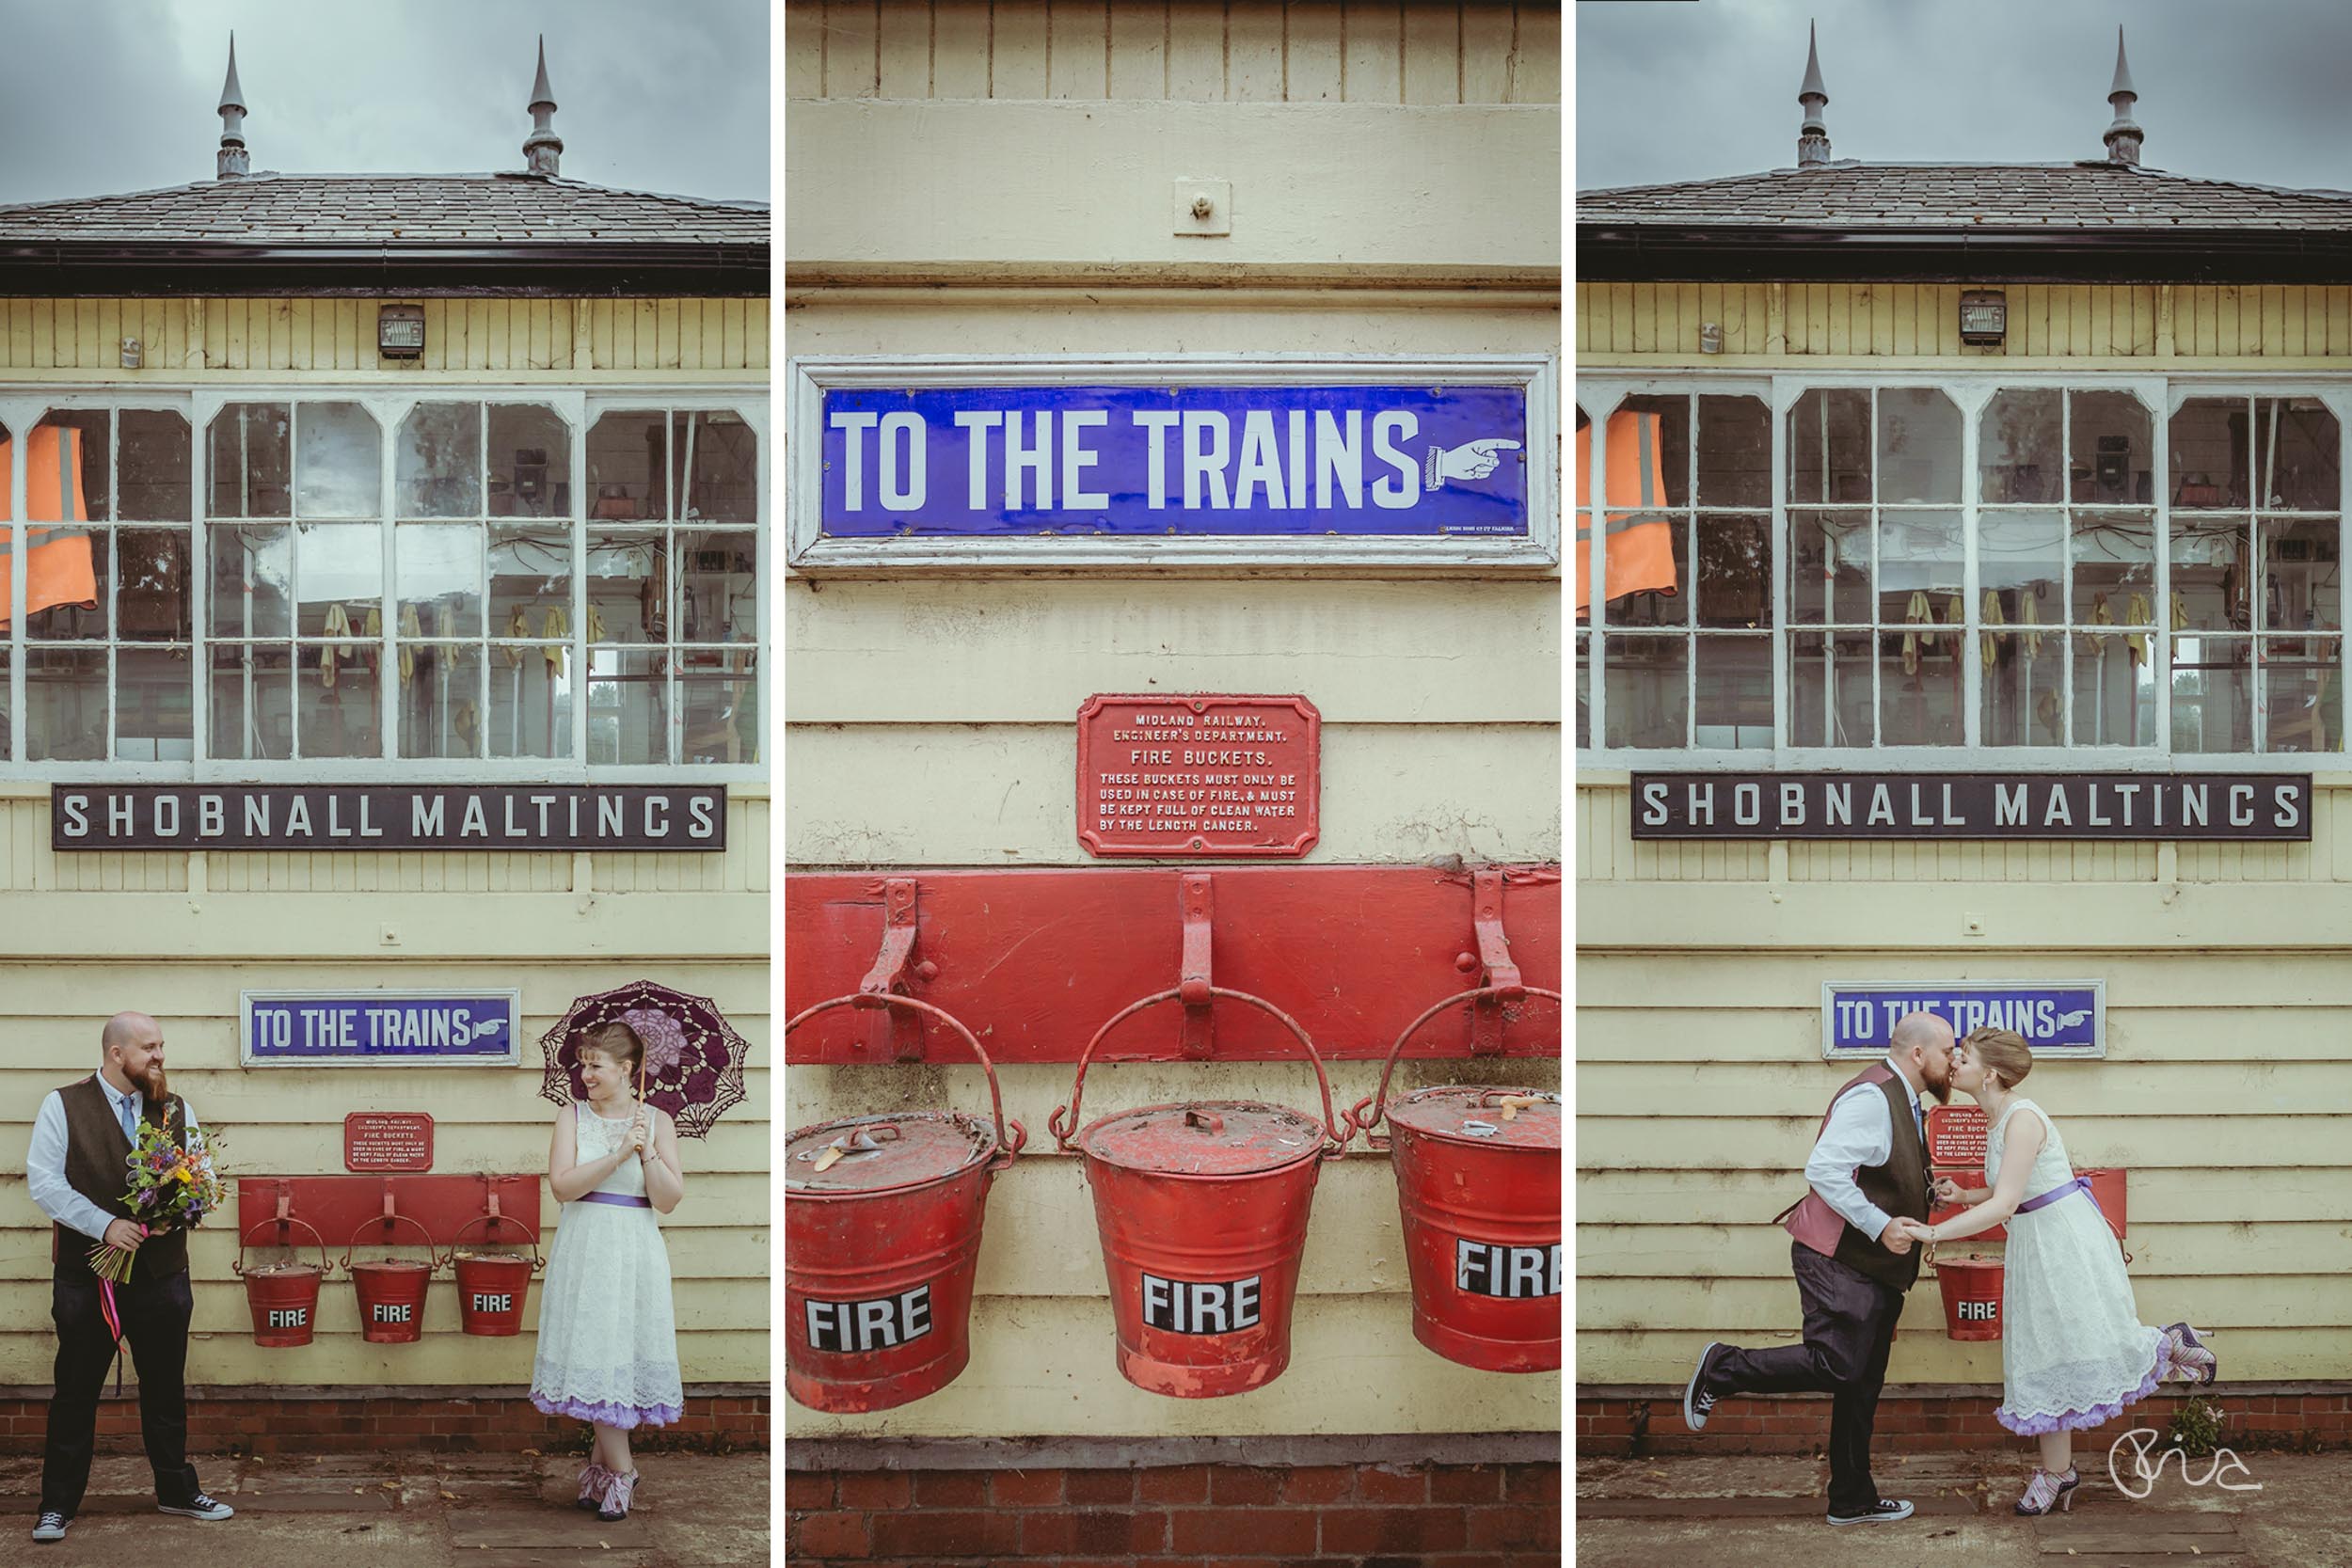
column 391, row 1290
column 2108, row 1187
column 284, row 1296
column 1203, row 1210
column 881, row 1239
column 491, row 1284
column 1478, row 1191
column 1972, row 1296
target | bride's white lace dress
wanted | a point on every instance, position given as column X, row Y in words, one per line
column 608, row 1332
column 2073, row 1351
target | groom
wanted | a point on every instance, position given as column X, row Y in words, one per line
column 1853, row 1261
column 76, row 1172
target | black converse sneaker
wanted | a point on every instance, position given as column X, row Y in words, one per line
column 1887, row 1512
column 1697, row 1403
column 198, row 1507
column 50, row 1526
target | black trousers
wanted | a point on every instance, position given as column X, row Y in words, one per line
column 155, row 1313
column 1848, row 1330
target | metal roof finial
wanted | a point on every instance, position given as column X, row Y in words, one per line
column 230, row 162
column 1812, row 135
column 2123, row 137
column 543, row 148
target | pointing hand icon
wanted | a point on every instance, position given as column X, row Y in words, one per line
column 1474, row 461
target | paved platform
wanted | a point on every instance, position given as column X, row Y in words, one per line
column 417, row 1509
column 1674, row 1513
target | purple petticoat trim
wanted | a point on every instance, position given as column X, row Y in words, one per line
column 609, row 1415
column 2082, row 1421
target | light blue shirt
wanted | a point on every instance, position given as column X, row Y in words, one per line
column 45, row 1162
column 1861, row 1132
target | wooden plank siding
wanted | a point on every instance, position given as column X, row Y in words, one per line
column 196, row 338
column 2265, row 326
column 1334, row 50
column 182, row 935
column 2226, row 1093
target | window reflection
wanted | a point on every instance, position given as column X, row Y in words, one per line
column 250, row 461
column 336, row 463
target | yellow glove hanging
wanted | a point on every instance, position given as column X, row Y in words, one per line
column 518, row 625
column 557, row 626
column 409, row 626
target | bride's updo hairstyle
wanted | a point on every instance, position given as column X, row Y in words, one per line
column 2003, row 1054
column 618, row 1043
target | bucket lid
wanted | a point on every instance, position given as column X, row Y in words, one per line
column 879, row 1152
column 1473, row 1113
column 1222, row 1137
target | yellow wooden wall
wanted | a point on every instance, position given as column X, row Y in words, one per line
column 82, row 936
column 187, row 338
column 1362, row 52
column 2131, row 324
column 2226, row 1092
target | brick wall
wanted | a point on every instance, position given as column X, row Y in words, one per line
column 1798, row 1423
column 279, row 1424
column 1400, row 1515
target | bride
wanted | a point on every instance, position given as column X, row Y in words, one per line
column 2073, row 1351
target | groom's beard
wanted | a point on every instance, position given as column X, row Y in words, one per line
column 1943, row 1092
column 152, row 1085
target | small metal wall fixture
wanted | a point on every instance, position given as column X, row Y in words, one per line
column 1983, row 316
column 400, row 331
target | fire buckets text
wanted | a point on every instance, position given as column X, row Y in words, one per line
column 1203, row 1210
column 285, row 1297
column 1478, row 1191
column 881, row 1217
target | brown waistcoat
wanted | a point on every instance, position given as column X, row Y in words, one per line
column 95, row 1152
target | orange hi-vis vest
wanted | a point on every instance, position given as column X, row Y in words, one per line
column 60, row 568
column 1637, row 553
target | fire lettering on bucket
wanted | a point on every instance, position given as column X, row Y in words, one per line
column 1512, row 1273
column 856, row 1326
column 484, row 1302
column 1203, row 1307
column 289, row 1317
column 392, row 1312
column 1979, row 1311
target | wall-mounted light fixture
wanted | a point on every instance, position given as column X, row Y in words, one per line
column 1983, row 316
column 134, row 355
column 400, row 331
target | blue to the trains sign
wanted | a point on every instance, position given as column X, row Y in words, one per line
column 377, row 1028
column 2057, row 1018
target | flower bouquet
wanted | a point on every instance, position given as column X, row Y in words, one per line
column 172, row 1188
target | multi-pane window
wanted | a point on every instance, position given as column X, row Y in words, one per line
column 2257, row 604
column 2045, row 568
column 107, row 640
column 365, row 580
column 673, row 587
column 1687, row 571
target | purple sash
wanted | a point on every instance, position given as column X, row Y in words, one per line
column 622, row 1199
column 2080, row 1184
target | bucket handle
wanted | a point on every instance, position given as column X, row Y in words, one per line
column 434, row 1264
column 1007, row 1149
column 537, row 1262
column 1063, row 1123
column 237, row 1268
column 1378, row 1101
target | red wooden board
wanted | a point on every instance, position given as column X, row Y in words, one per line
column 1956, row 1136
column 337, row 1206
column 1035, row 962
column 1199, row 776
column 388, row 1140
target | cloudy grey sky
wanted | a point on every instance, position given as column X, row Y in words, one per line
column 1691, row 91
column 100, row 95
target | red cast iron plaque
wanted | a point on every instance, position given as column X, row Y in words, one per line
column 388, row 1140
column 1956, row 1136
column 1198, row 777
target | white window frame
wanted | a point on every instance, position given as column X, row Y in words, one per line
column 809, row 379
column 1600, row 394
column 580, row 406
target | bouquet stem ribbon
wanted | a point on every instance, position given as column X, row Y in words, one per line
column 106, row 1306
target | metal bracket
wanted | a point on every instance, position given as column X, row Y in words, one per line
column 1495, row 966
column 1195, row 904
column 899, row 1031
